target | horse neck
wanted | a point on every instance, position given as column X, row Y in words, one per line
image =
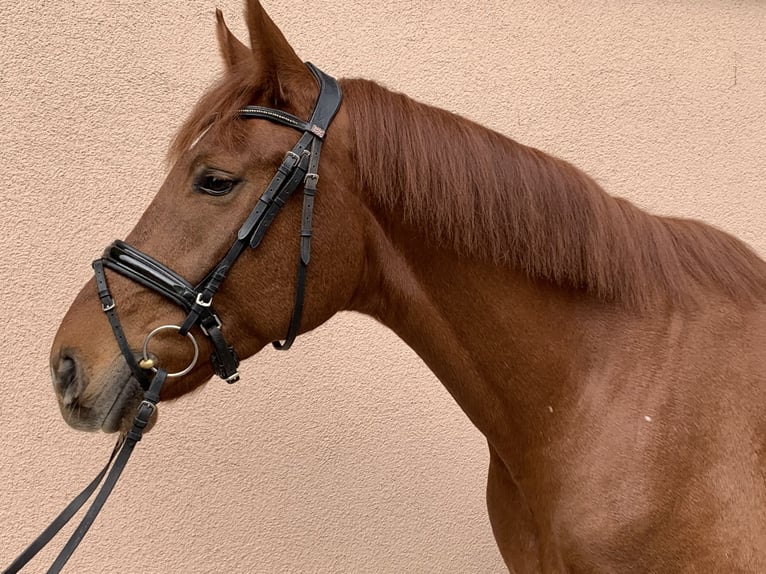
column 510, row 272
column 506, row 348
column 482, row 326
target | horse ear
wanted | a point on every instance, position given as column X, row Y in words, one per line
column 276, row 61
column 233, row 51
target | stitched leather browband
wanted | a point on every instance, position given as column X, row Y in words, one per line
column 300, row 166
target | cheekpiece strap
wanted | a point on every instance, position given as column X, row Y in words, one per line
column 109, row 308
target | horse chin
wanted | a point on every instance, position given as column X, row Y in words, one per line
column 119, row 417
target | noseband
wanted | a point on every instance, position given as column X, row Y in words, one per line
column 300, row 166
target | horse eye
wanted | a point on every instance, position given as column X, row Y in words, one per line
column 214, row 184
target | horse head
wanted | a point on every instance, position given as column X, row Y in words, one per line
column 223, row 159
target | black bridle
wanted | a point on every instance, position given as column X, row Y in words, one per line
column 299, row 167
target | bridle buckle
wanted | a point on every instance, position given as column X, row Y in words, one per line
column 148, row 405
column 201, row 302
column 218, row 324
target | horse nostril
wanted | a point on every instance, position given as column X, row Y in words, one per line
column 66, row 379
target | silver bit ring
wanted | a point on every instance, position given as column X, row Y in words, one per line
column 145, row 351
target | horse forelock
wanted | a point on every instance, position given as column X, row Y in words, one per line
column 215, row 113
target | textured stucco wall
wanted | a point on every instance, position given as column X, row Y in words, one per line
column 344, row 455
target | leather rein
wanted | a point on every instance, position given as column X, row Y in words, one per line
column 299, row 167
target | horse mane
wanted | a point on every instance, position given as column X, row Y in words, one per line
column 488, row 196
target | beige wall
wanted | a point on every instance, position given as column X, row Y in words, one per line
column 344, row 455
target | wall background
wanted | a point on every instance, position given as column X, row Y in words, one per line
column 344, row 455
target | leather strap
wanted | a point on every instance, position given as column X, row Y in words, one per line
column 279, row 200
column 120, row 455
column 109, row 307
column 276, row 116
column 63, row 518
column 309, row 191
column 328, row 103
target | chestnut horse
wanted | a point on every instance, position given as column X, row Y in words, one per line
column 614, row 360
